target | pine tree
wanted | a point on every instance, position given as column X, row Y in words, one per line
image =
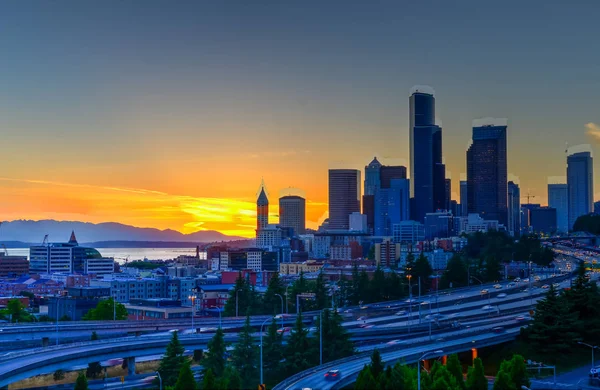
column 245, row 357
column 376, row 364
column 242, row 298
column 363, row 286
column 209, row 381
column 377, row 290
column 336, row 340
column 272, row 351
column 215, row 361
column 517, row 371
column 583, row 297
column 423, row 271
column 366, row 379
column 234, row 381
column 456, row 273
column 354, row 286
column 321, row 296
column 476, row 379
column 299, row 354
column 186, row 380
column 455, row 369
column 403, row 377
column 171, row 362
column 503, row 382
column 271, row 302
column 81, row 383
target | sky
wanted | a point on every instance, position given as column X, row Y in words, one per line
column 169, row 114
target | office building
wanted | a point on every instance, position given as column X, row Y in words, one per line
column 580, row 182
column 526, row 216
column 514, row 210
column 391, row 206
column 474, row 223
column 344, row 197
column 558, row 198
column 543, row 220
column 387, row 253
column 487, row 190
column 358, row 223
column 448, row 193
column 269, row 236
column 13, row 265
column 408, row 232
column 373, row 177
column 464, row 208
column 390, row 172
column 438, row 225
column 292, row 213
column 427, row 172
column 262, row 208
column 597, row 207
column 68, row 258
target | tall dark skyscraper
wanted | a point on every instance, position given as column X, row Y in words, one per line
column 464, row 208
column 372, row 183
column 487, row 191
column 580, row 182
column 558, row 198
column 448, row 193
column 389, row 172
column 344, row 197
column 292, row 213
column 427, row 172
column 514, row 209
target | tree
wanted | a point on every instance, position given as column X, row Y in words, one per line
column 336, row 340
column 376, row 364
column 45, row 318
column 589, row 223
column 583, row 297
column 366, row 379
column 271, row 302
column 59, row 375
column 198, row 355
column 455, row 369
column 95, row 336
column 209, row 381
column 105, row 311
column 234, row 381
column 171, row 362
column 15, row 310
column 476, row 379
column 65, row 318
column 273, row 351
column 378, row 290
column 242, row 295
column 403, row 377
column 423, row 271
column 215, row 361
column 492, row 269
column 503, row 382
column 27, row 294
column 186, row 380
column 321, row 293
column 299, row 354
column 456, row 273
column 81, row 383
column 245, row 357
column 516, row 370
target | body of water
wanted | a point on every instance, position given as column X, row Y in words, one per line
column 120, row 254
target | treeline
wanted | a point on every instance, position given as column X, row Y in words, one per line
column 240, row 369
column 511, row 376
column 589, row 223
column 564, row 318
column 484, row 256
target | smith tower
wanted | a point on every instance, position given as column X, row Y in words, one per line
column 262, row 208
column 427, row 172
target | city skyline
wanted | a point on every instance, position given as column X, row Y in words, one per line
column 174, row 127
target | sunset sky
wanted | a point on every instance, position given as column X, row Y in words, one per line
column 168, row 114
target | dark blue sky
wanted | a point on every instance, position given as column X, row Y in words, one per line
column 129, row 86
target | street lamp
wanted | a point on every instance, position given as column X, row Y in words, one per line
column 57, row 302
column 280, row 297
column 192, row 297
column 159, row 380
column 410, row 302
column 219, row 310
column 261, row 342
column 287, row 298
column 592, row 347
column 236, row 302
column 114, row 309
column 439, row 351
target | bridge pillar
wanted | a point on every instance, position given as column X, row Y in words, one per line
column 427, row 364
column 444, row 359
column 473, row 354
column 131, row 365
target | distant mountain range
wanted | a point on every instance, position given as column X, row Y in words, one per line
column 27, row 231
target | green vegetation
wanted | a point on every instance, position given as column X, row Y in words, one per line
column 146, row 265
column 27, row 294
column 186, row 380
column 172, row 362
column 58, row 375
column 81, row 383
column 105, row 311
column 215, row 361
column 16, row 312
column 564, row 318
column 245, row 357
column 375, row 375
column 589, row 223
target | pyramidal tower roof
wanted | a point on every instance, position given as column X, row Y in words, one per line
column 73, row 239
column 375, row 163
column 263, row 199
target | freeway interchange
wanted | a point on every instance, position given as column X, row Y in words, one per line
column 444, row 319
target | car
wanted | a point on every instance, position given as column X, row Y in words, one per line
column 537, row 278
column 425, row 303
column 364, row 307
column 501, row 295
column 510, row 285
column 517, row 280
column 284, row 330
column 545, row 286
column 333, row 375
column 206, row 330
column 362, row 318
column 396, row 342
column 498, row 329
column 522, row 318
column 594, row 372
column 525, row 280
column 401, row 313
column 312, row 329
column 487, row 308
column 497, row 286
column 348, row 311
column 556, row 285
column 484, row 291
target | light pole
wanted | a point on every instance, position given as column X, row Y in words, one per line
column 287, row 298
column 439, row 351
column 592, row 347
column 481, row 285
column 236, row 302
column 409, row 302
column 57, row 303
column 114, row 309
column 159, row 380
column 321, row 337
column 280, row 297
column 261, row 343
column 192, row 297
column 219, row 310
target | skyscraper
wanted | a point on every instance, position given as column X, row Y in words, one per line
column 391, row 206
column 262, row 208
column 514, row 209
column 292, row 213
column 558, row 198
column 580, row 182
column 344, row 197
column 448, row 193
column 390, row 172
column 463, row 198
column 487, row 191
column 373, row 176
column 427, row 172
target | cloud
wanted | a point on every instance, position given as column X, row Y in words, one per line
column 593, row 130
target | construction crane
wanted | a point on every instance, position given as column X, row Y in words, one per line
column 529, row 196
column 45, row 241
column 5, row 250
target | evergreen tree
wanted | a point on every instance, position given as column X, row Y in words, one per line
column 354, row 286
column 503, row 382
column 456, row 273
column 441, row 378
column 584, row 297
column 321, row 293
column 273, row 351
column 300, row 286
column 366, row 379
column 171, row 362
column 239, row 294
column 492, row 269
column 455, row 369
column 476, row 379
column 299, row 354
column 271, row 302
column 336, row 340
column 81, row 383
column 105, row 311
column 517, row 371
column 363, row 286
column 377, row 290
column 59, row 375
column 209, row 381
column 394, row 286
column 245, row 357
column 376, row 364
column 423, row 271
column 215, row 361
column 234, row 381
column 186, row 380
column 403, row 377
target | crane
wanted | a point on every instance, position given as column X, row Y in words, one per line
column 529, row 196
column 45, row 241
column 5, row 250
